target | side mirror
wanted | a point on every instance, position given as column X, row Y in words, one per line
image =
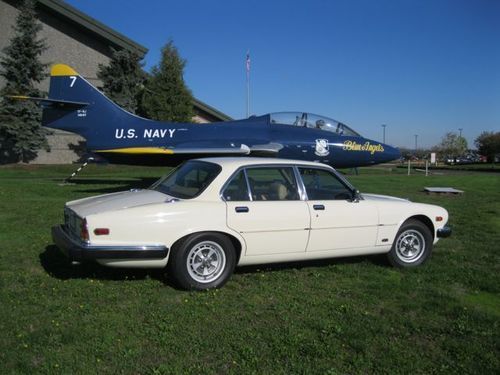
column 355, row 196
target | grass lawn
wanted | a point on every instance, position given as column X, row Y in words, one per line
column 355, row 315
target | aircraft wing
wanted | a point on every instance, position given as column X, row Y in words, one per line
column 270, row 148
column 266, row 149
column 243, row 150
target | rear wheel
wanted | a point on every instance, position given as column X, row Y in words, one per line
column 202, row 261
column 412, row 246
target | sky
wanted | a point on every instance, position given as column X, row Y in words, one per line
column 421, row 67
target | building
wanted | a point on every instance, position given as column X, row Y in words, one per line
column 82, row 42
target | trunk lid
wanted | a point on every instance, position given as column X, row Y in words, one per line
column 116, row 201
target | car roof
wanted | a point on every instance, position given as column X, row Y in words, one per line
column 237, row 162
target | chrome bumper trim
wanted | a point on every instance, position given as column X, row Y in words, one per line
column 77, row 250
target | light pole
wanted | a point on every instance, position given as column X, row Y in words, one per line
column 460, row 130
column 416, row 137
column 383, row 127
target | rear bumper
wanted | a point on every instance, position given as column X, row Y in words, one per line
column 444, row 232
column 77, row 250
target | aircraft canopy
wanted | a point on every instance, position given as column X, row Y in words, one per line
column 312, row 121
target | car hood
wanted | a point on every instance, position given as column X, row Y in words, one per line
column 382, row 198
column 116, row 201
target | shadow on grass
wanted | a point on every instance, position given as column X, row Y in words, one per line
column 377, row 260
column 117, row 184
column 58, row 266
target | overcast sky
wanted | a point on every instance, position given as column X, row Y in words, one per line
column 422, row 67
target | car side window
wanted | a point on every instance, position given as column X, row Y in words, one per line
column 273, row 184
column 237, row 189
column 324, row 185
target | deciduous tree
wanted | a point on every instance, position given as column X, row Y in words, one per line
column 488, row 144
column 452, row 145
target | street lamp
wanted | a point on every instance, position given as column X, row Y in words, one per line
column 383, row 126
column 416, row 137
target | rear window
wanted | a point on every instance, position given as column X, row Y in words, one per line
column 188, row 180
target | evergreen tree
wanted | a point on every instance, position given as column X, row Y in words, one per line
column 21, row 134
column 166, row 96
column 123, row 79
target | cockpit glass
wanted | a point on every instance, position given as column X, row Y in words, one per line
column 312, row 121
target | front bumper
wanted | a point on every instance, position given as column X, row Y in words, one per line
column 444, row 232
column 77, row 250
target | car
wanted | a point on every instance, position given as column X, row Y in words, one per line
column 210, row 215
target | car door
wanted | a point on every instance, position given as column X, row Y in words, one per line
column 337, row 221
column 264, row 206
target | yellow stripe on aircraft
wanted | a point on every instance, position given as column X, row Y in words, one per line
column 139, row 150
column 62, row 70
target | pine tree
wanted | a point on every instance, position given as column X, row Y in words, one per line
column 166, row 96
column 21, row 134
column 123, row 79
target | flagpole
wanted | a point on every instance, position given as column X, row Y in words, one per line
column 248, row 83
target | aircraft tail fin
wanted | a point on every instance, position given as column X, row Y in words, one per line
column 75, row 105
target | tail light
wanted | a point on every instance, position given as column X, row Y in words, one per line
column 84, row 231
column 101, row 231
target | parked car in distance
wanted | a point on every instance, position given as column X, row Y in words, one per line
column 210, row 215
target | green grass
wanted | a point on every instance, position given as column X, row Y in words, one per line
column 354, row 315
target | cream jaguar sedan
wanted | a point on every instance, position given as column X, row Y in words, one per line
column 209, row 215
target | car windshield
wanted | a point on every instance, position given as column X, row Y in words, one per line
column 188, row 180
column 313, row 121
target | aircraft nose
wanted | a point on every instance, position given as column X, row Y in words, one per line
column 390, row 153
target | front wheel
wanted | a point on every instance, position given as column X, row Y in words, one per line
column 202, row 261
column 412, row 246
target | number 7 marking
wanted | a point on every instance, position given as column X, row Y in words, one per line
column 73, row 80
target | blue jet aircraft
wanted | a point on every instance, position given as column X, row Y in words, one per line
column 121, row 137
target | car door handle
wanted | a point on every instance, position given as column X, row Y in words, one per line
column 319, row 207
column 241, row 209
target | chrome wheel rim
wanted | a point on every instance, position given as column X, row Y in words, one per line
column 410, row 246
column 206, row 261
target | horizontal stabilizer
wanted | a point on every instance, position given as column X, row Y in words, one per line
column 48, row 102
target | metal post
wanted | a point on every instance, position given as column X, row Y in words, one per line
column 409, row 166
column 460, row 130
column 247, row 63
column 383, row 126
column 67, row 180
column 416, row 137
column 426, row 168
